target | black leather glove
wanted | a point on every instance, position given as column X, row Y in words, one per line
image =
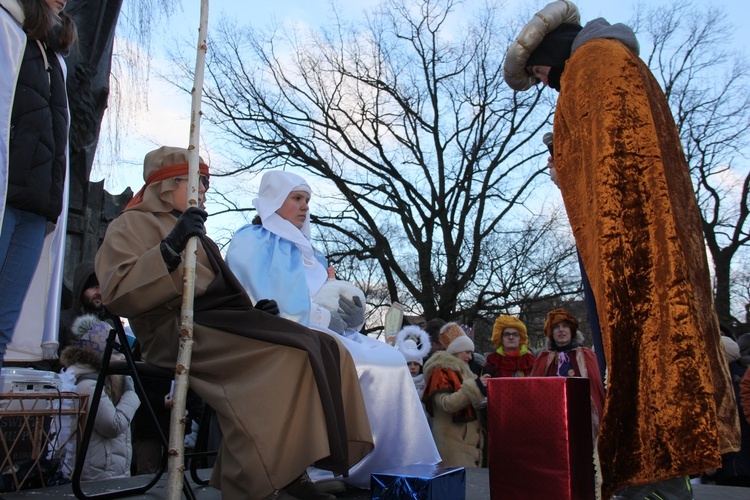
column 268, row 305
column 189, row 224
column 351, row 311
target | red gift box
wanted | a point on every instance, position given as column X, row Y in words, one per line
column 540, row 443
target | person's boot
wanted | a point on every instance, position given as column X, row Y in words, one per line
column 333, row 486
column 304, row 488
column 678, row 488
column 279, row 495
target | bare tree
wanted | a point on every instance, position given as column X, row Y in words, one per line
column 706, row 86
column 94, row 66
column 408, row 116
column 741, row 290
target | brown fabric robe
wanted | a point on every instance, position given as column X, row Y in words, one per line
column 631, row 204
column 286, row 397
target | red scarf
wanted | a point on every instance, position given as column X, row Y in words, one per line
column 446, row 380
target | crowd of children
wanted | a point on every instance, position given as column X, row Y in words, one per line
column 454, row 395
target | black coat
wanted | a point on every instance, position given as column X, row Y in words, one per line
column 38, row 134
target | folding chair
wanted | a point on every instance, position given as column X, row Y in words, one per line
column 117, row 340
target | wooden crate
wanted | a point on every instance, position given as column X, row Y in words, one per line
column 29, row 427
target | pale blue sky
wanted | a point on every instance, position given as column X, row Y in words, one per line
column 167, row 118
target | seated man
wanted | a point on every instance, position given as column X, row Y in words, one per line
column 285, row 396
column 86, row 300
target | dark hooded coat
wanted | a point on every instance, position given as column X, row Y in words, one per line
column 82, row 275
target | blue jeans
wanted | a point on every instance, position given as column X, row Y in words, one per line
column 21, row 241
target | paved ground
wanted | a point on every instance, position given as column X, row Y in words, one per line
column 477, row 488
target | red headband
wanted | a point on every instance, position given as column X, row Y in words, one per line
column 163, row 174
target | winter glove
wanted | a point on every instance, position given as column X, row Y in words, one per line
column 336, row 324
column 189, row 224
column 268, row 305
column 351, row 311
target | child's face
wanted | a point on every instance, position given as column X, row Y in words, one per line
column 465, row 356
column 413, row 368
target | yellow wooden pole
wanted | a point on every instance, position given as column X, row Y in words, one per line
column 176, row 463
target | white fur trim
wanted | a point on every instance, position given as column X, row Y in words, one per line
column 472, row 391
column 442, row 359
column 409, row 340
column 84, row 323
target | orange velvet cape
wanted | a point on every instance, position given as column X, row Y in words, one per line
column 669, row 408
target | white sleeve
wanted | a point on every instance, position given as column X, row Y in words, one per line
column 319, row 315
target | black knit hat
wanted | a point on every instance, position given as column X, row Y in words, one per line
column 554, row 51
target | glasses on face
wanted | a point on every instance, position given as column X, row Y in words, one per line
column 204, row 180
column 511, row 335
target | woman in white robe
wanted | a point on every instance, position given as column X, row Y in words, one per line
column 275, row 260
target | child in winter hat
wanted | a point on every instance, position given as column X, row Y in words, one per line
column 110, row 449
column 90, row 333
column 414, row 345
column 454, row 339
column 452, row 398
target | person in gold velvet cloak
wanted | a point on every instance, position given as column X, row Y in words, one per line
column 285, row 396
column 630, row 201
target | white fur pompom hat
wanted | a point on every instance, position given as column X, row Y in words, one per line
column 413, row 343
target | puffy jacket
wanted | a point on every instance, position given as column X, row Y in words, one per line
column 38, row 134
column 110, row 450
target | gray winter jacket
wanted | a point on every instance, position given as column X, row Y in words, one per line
column 110, row 450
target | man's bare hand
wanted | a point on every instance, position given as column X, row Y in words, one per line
column 552, row 171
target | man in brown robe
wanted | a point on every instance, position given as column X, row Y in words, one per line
column 628, row 194
column 286, row 397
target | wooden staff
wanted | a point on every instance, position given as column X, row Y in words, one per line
column 182, row 369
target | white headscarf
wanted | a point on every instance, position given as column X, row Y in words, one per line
column 275, row 186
